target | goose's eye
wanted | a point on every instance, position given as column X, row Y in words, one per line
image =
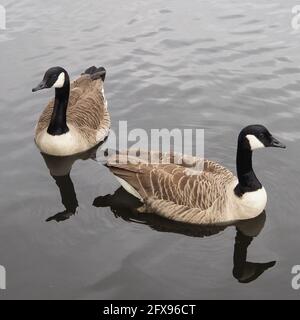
column 261, row 135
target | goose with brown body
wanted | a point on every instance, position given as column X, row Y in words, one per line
column 212, row 195
column 77, row 118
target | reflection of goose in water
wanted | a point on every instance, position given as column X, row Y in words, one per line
column 243, row 270
column 124, row 205
column 60, row 168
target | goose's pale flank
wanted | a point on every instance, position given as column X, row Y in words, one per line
column 77, row 118
column 212, row 195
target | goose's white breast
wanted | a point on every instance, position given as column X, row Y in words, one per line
column 251, row 204
column 62, row 145
column 255, row 199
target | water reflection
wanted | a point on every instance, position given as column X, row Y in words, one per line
column 123, row 206
column 60, row 169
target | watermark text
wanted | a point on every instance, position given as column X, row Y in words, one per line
column 2, row 18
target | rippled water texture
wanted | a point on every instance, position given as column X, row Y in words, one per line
column 217, row 65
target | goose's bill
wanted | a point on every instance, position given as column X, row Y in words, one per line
column 40, row 86
column 277, row 144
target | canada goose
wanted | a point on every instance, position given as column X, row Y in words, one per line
column 209, row 196
column 77, row 119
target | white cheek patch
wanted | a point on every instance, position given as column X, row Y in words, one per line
column 59, row 83
column 254, row 142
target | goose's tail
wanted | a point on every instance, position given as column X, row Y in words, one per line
column 96, row 73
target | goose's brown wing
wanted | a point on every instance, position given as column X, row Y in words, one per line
column 171, row 189
column 88, row 109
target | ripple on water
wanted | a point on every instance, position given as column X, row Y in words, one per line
column 217, row 65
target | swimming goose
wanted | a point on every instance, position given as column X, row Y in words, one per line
column 77, row 118
column 212, row 195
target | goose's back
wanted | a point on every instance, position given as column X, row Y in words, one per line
column 175, row 191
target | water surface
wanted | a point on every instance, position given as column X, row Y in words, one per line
column 217, row 65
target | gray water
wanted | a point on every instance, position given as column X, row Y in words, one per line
column 217, row 65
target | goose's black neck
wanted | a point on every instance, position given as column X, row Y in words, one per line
column 58, row 122
column 248, row 181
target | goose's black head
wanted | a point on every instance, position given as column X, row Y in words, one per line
column 56, row 77
column 256, row 137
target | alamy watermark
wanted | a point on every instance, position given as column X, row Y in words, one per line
column 2, row 278
column 295, row 22
column 155, row 146
column 296, row 279
column 2, row 18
